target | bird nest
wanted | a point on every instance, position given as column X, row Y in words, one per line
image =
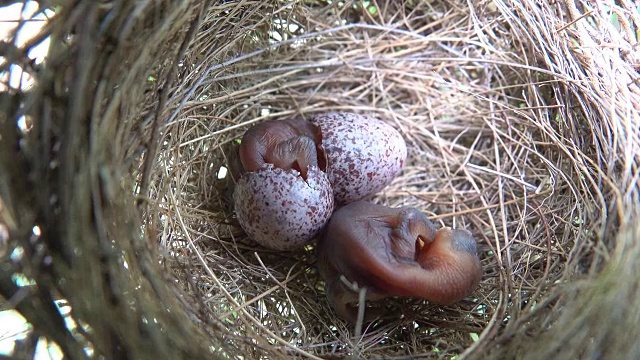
column 522, row 124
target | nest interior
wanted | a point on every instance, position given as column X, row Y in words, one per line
column 522, row 123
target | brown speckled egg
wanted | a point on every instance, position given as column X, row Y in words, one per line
column 279, row 209
column 363, row 154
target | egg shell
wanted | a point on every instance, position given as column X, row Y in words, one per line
column 364, row 154
column 279, row 209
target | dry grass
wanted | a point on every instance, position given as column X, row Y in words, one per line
column 522, row 122
column 509, row 136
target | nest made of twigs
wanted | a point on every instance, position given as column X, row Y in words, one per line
column 522, row 123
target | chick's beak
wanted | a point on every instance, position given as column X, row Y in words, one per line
column 420, row 246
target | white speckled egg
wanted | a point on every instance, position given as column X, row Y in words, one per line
column 363, row 154
column 279, row 209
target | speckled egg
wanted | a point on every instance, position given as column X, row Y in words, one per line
column 279, row 209
column 364, row 154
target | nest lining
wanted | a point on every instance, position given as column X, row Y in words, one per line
column 481, row 156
